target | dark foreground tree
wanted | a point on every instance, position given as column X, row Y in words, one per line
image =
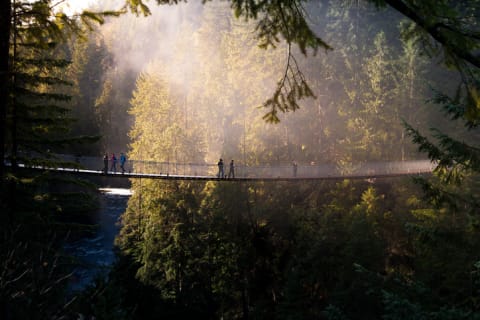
column 36, row 206
column 32, row 23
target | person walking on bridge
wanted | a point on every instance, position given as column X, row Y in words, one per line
column 123, row 159
column 105, row 163
column 221, row 173
column 114, row 163
column 231, row 172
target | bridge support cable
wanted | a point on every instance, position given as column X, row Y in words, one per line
column 203, row 171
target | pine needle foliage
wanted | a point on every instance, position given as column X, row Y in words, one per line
column 457, row 162
column 38, row 208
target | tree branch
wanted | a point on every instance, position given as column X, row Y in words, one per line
column 435, row 32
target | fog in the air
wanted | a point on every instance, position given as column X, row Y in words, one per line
column 364, row 88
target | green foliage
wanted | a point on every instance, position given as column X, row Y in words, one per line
column 457, row 161
column 33, row 278
column 333, row 313
column 397, row 308
column 224, row 250
column 100, row 95
column 38, row 209
column 456, row 109
column 101, row 300
column 262, row 252
column 38, row 117
column 290, row 89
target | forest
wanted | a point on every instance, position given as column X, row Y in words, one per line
column 264, row 83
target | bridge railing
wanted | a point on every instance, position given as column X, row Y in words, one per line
column 141, row 167
column 170, row 168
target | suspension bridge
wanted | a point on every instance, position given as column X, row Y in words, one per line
column 83, row 165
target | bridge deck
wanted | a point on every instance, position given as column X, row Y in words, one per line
column 215, row 178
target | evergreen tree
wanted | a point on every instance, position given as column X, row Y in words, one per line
column 36, row 205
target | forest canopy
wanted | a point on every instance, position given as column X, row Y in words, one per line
column 181, row 82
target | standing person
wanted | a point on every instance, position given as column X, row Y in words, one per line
column 294, row 163
column 105, row 163
column 123, row 159
column 231, row 172
column 114, row 163
column 220, row 174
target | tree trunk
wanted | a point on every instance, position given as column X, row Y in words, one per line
column 5, row 17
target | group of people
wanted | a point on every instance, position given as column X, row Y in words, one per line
column 221, row 172
column 113, row 162
column 231, row 172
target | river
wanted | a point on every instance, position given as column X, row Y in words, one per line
column 94, row 253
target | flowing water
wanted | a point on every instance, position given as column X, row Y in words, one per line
column 94, row 254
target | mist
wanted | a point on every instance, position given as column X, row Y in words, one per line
column 218, row 79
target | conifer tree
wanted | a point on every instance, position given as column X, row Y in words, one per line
column 38, row 22
column 36, row 126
